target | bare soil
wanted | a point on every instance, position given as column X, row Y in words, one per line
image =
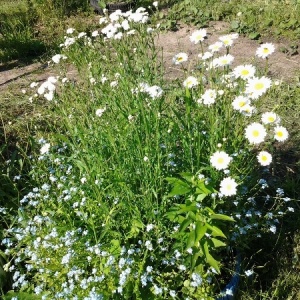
column 281, row 65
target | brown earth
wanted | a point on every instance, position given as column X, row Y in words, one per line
column 281, row 65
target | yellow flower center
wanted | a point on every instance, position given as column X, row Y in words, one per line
column 244, row 72
column 259, row 86
column 271, row 119
column 255, row 133
column 242, row 103
column 266, row 50
column 220, row 160
column 264, row 158
column 280, row 134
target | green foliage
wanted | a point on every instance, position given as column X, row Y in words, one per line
column 199, row 228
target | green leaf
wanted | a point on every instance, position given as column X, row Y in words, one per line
column 194, row 259
column 217, row 243
column 136, row 227
column 191, row 240
column 21, row 296
column 102, row 4
column 187, row 176
column 215, row 230
column 203, row 189
column 222, row 217
column 254, row 36
column 185, row 224
column 235, row 24
column 210, row 260
column 200, row 197
column 179, row 187
column 200, row 231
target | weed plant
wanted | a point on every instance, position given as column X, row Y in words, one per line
column 145, row 186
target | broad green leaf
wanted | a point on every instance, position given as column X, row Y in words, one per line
column 235, row 24
column 187, row 176
column 200, row 197
column 200, row 231
column 215, row 230
column 179, row 187
column 222, row 217
column 191, row 240
column 194, row 259
column 203, row 189
column 210, row 260
column 135, row 228
column 254, row 36
column 185, row 224
column 217, row 243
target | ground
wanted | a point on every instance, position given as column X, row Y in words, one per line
column 282, row 66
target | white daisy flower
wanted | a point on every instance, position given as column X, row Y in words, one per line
column 264, row 158
column 248, row 272
column 198, row 36
column 95, row 33
column 205, row 56
column 225, row 60
column 257, row 86
column 248, row 110
column 215, row 47
column 270, row 117
column 265, row 50
column 190, row 82
column 209, row 97
column 281, row 134
column 220, row 160
column 228, row 186
column 70, row 30
column 45, row 148
column 240, row 102
column 100, row 111
column 180, row 58
column 154, row 91
column 255, row 133
column 227, row 40
column 244, row 71
column 56, row 58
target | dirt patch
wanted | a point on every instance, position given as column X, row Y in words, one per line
column 281, row 66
